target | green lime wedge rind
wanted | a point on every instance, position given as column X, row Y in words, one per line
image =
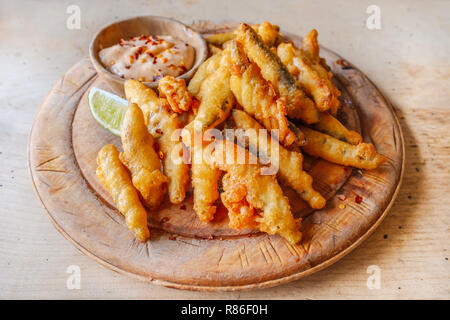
column 107, row 109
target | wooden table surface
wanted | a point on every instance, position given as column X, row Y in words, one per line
column 408, row 59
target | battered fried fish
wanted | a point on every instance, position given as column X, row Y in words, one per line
column 257, row 96
column 140, row 158
column 310, row 46
column 272, row 69
column 262, row 192
column 320, row 89
column 219, row 39
column 330, row 125
column 116, row 178
column 310, row 52
column 176, row 93
column 204, row 71
column 164, row 126
column 268, row 32
column 362, row 155
column 289, row 163
column 216, row 102
column 205, row 179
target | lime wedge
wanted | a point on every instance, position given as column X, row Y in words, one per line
column 107, row 109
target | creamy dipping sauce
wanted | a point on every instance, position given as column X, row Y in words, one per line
column 148, row 58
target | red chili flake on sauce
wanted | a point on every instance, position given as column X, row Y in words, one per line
column 358, row 199
column 127, row 67
column 183, row 69
column 156, row 146
column 183, row 207
column 150, row 54
column 158, row 131
column 122, row 42
column 342, row 197
column 173, row 238
column 131, row 59
column 122, row 76
column 164, row 60
column 154, row 60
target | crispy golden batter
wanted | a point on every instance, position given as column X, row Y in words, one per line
column 310, row 52
column 176, row 93
column 330, row 125
column 289, row 163
column 301, row 139
column 240, row 212
column 268, row 32
column 164, row 126
column 219, row 39
column 363, row 155
column 216, row 103
column 262, row 193
column 140, row 158
column 205, row 179
column 307, row 77
column 116, row 178
column 310, row 46
column 204, row 71
column 273, row 70
column 213, row 49
column 257, row 96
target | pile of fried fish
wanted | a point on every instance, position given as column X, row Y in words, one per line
column 252, row 80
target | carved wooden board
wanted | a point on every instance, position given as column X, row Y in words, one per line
column 183, row 252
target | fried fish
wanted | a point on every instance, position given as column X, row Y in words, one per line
column 140, row 157
column 257, row 96
column 265, row 205
column 116, row 178
column 362, row 155
column 289, row 163
column 165, row 127
column 298, row 105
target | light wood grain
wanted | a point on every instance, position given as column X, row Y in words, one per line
column 408, row 61
column 62, row 152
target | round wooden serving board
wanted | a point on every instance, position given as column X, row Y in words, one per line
column 183, row 252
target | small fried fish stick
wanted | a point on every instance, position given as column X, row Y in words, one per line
column 362, row 156
column 219, row 39
column 290, row 163
column 307, row 77
column 262, row 192
column 272, row 69
column 163, row 126
column 216, row 103
column 311, row 50
column 330, row 125
column 116, row 178
column 257, row 96
column 204, row 71
column 310, row 46
column 140, row 158
column 205, row 178
column 268, row 32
